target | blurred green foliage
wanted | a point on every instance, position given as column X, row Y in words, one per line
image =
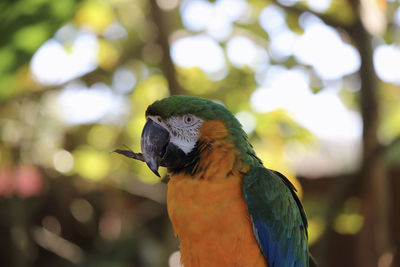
column 25, row 26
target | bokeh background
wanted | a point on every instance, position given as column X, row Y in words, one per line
column 315, row 84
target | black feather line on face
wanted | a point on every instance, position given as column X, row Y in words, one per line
column 189, row 162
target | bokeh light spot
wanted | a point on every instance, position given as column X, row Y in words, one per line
column 396, row 16
column 108, row 55
column 63, row 161
column 272, row 19
column 243, row 52
column 82, row 210
column 52, row 224
column 321, row 47
column 95, row 14
column 110, row 226
column 62, row 8
column 52, row 64
column 29, row 38
column 348, row 223
column 247, row 120
column 101, row 137
column 316, row 228
column 28, row 181
column 90, row 164
column 146, row 92
column 77, row 104
column 191, row 78
column 167, row 5
column 324, row 113
column 387, row 63
column 319, row 5
column 201, row 51
column 217, row 18
column 124, row 80
column 115, row 31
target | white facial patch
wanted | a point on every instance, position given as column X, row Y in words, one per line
column 183, row 130
column 185, row 145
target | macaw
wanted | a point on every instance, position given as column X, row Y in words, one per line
column 226, row 208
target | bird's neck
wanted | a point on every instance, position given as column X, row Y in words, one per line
column 216, row 157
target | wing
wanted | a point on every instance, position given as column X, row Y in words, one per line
column 278, row 218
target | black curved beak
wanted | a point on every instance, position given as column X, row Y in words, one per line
column 154, row 142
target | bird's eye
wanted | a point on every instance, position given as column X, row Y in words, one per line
column 188, row 119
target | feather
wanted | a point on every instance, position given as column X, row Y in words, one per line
column 279, row 221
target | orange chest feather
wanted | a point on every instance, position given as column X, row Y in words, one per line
column 212, row 223
column 209, row 214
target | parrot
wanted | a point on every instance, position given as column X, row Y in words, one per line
column 225, row 207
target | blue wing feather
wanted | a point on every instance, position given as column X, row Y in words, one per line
column 279, row 221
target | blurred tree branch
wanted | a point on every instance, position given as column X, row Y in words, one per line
column 167, row 65
column 374, row 239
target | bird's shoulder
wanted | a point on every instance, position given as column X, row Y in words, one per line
column 278, row 218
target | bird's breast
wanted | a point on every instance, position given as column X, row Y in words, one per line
column 212, row 223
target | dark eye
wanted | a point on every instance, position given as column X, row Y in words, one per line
column 188, row 119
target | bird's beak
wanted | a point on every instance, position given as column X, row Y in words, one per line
column 154, row 142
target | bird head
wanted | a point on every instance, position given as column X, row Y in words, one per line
column 178, row 127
